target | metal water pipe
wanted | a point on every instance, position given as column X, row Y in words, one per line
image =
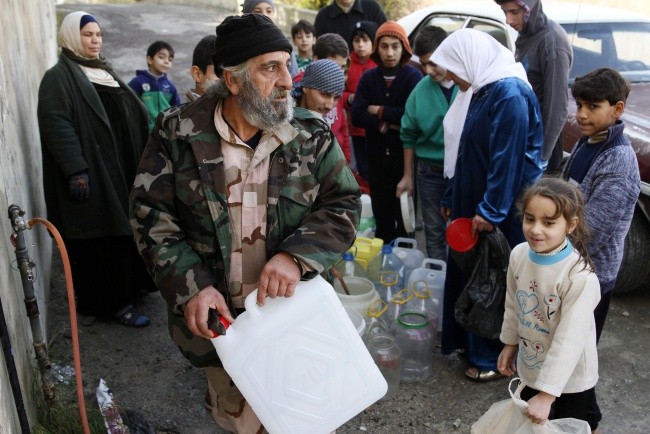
column 25, row 266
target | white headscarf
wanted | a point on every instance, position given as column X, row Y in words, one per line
column 479, row 59
column 70, row 38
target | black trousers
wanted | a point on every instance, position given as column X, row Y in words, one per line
column 576, row 405
column 107, row 273
column 384, row 173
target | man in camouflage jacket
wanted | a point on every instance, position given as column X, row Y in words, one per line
column 232, row 194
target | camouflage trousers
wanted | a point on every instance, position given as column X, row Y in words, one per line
column 229, row 408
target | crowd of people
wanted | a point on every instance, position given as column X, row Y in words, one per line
column 254, row 181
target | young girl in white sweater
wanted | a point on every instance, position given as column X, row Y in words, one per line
column 552, row 292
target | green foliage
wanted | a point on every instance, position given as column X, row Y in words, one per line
column 308, row 4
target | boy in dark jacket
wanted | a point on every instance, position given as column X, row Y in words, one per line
column 153, row 87
column 378, row 107
column 603, row 165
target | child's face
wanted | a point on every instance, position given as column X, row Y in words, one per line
column 91, row 40
column 160, row 63
column 390, row 51
column 318, row 101
column 542, row 230
column 343, row 62
column 437, row 73
column 594, row 117
column 263, row 8
column 203, row 79
column 362, row 46
column 304, row 42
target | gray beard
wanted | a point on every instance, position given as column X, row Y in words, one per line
column 264, row 113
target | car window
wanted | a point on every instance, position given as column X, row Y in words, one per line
column 450, row 23
column 622, row 46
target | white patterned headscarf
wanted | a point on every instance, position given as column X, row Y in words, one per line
column 70, row 38
column 479, row 59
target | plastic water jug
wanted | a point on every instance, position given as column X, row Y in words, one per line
column 365, row 249
column 398, row 304
column 376, row 323
column 388, row 285
column 407, row 251
column 300, row 362
column 386, row 260
column 348, row 267
column 367, row 224
column 423, row 301
column 362, row 294
column 432, row 272
column 415, row 337
column 388, row 357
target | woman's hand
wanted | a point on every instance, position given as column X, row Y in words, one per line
column 479, row 224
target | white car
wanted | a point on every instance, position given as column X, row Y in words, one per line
column 601, row 37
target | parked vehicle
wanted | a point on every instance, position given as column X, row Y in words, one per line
column 601, row 37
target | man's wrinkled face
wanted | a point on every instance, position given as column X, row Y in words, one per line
column 514, row 15
column 264, row 97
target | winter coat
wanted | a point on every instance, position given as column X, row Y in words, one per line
column 76, row 136
column 179, row 211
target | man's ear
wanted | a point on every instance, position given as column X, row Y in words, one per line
column 231, row 82
column 619, row 108
column 196, row 73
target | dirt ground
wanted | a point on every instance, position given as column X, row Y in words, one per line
column 148, row 375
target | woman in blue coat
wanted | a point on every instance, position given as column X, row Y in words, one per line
column 493, row 140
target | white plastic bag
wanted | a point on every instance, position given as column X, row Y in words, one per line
column 507, row 417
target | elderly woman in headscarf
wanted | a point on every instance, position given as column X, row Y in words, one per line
column 493, row 140
column 93, row 129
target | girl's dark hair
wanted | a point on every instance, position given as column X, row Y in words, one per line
column 569, row 203
column 428, row 39
column 157, row 46
column 302, row 25
column 601, row 84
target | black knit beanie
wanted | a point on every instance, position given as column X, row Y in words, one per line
column 240, row 38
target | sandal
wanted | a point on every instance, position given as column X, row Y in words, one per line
column 130, row 317
column 481, row 376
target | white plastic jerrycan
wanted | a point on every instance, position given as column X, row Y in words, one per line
column 300, row 362
column 407, row 250
column 433, row 273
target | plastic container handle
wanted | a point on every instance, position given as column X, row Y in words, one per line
column 409, row 242
column 437, row 262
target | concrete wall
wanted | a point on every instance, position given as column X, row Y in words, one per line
column 27, row 50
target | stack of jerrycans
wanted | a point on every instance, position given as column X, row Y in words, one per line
column 432, row 272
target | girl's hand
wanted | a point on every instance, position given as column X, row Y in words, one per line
column 506, row 362
column 539, row 407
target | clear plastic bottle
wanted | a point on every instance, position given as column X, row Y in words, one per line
column 398, row 304
column 386, row 260
column 423, row 301
column 349, row 267
column 388, row 358
column 388, row 285
column 415, row 337
column 376, row 323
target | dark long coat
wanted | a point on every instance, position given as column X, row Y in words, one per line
column 76, row 135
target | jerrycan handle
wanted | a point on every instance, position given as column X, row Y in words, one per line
column 437, row 264
column 405, row 242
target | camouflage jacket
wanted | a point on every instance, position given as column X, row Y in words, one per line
column 180, row 219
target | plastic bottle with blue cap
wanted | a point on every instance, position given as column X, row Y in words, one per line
column 386, row 260
column 349, row 267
